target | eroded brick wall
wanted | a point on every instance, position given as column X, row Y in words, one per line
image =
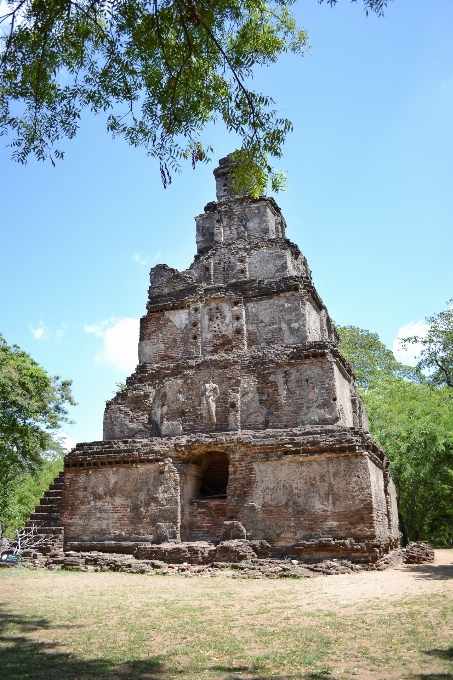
column 119, row 502
column 286, row 489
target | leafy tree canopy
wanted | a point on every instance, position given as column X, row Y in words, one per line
column 370, row 359
column 414, row 424
column 25, row 492
column 436, row 356
column 160, row 69
column 413, row 421
column 33, row 406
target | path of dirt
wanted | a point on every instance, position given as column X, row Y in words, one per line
column 405, row 580
column 325, row 591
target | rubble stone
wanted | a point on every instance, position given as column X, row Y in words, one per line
column 418, row 552
column 233, row 530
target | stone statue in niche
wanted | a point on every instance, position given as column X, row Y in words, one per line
column 164, row 421
column 341, row 416
column 209, row 395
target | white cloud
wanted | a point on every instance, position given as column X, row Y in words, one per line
column 410, row 354
column 60, row 331
column 66, row 441
column 100, row 328
column 138, row 258
column 40, row 331
column 120, row 342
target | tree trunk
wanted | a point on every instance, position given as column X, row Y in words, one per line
column 404, row 539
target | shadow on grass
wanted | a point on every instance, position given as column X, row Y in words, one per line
column 247, row 673
column 23, row 657
column 438, row 572
column 432, row 676
column 445, row 655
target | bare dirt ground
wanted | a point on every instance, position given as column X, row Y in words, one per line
column 114, row 626
column 402, row 581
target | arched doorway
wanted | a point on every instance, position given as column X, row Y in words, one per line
column 214, row 480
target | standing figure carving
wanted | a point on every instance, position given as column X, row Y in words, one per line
column 209, row 395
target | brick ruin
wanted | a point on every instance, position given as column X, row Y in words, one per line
column 241, row 428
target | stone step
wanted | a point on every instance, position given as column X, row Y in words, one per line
column 55, row 495
column 58, row 485
column 52, row 500
column 54, row 530
column 47, row 508
column 47, row 524
column 39, row 516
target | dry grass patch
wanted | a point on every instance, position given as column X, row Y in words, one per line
column 114, row 626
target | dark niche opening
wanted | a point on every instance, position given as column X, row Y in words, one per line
column 214, row 480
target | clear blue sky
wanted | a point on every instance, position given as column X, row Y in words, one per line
column 370, row 204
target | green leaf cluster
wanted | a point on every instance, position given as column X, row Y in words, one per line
column 160, row 69
column 436, row 355
column 376, row 6
column 33, row 406
column 370, row 359
column 414, row 424
column 412, row 420
column 26, row 491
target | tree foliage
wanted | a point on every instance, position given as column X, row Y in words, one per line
column 413, row 421
column 25, row 492
column 436, row 356
column 160, row 69
column 414, row 424
column 33, row 406
column 370, row 359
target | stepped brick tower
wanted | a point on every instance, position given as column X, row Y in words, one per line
column 242, row 420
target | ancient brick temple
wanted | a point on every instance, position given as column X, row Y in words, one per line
column 242, row 420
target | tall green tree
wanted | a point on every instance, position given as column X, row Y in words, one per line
column 436, row 355
column 160, row 69
column 414, row 424
column 413, row 421
column 33, row 407
column 370, row 359
column 26, row 491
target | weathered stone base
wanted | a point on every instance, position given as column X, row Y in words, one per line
column 305, row 493
column 246, row 568
column 203, row 559
column 363, row 552
column 310, row 494
column 234, row 551
column 108, row 547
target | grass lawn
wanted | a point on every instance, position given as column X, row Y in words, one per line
column 86, row 626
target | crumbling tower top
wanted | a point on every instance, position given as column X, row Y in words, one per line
column 223, row 179
column 236, row 218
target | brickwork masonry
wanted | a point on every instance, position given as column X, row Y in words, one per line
column 241, row 435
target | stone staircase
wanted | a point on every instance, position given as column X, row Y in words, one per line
column 46, row 518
